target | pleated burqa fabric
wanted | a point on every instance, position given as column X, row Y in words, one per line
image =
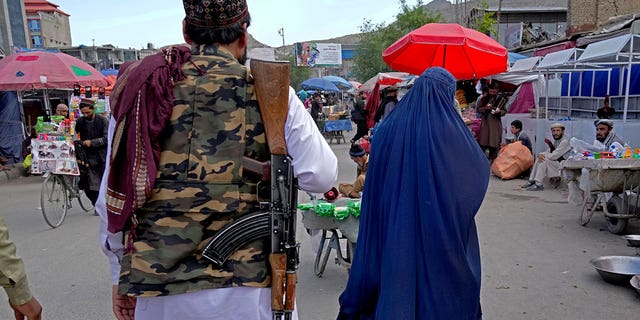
column 417, row 254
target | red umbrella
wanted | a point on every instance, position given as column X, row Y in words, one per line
column 46, row 70
column 466, row 53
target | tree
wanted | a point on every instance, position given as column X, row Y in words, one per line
column 375, row 38
column 483, row 21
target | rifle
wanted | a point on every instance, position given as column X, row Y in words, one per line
column 279, row 222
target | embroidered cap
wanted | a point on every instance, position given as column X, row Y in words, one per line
column 216, row 14
column 557, row 125
column 606, row 122
column 86, row 102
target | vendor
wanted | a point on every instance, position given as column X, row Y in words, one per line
column 605, row 133
column 361, row 158
column 62, row 110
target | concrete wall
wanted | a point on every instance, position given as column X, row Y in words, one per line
column 589, row 15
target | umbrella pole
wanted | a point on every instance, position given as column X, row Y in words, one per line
column 47, row 104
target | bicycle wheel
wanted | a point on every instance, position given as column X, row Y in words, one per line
column 54, row 199
column 589, row 204
column 84, row 202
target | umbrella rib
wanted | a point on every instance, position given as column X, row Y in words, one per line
column 466, row 55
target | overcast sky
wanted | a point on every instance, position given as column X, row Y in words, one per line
column 134, row 23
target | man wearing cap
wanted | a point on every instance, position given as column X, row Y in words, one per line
column 605, row 133
column 361, row 158
column 548, row 163
column 92, row 129
column 199, row 185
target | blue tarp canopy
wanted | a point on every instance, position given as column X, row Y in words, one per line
column 11, row 127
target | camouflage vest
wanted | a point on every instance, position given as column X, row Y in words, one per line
column 201, row 185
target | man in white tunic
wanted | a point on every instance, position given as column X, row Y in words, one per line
column 548, row 163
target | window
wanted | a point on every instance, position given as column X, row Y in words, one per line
column 34, row 25
column 36, row 41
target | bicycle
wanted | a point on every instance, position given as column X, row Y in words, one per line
column 56, row 196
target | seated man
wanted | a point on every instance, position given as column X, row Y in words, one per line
column 605, row 133
column 548, row 162
column 361, row 159
column 518, row 135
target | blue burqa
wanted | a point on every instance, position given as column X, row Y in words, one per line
column 417, row 254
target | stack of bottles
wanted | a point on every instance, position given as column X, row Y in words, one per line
column 325, row 209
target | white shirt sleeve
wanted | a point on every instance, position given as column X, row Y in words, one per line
column 314, row 163
column 111, row 243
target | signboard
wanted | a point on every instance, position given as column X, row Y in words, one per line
column 58, row 157
column 314, row 54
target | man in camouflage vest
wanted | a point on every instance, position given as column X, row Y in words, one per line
column 201, row 186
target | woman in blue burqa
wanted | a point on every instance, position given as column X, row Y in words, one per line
column 417, row 254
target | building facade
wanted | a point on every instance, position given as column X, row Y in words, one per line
column 47, row 25
column 102, row 57
column 520, row 22
column 12, row 26
column 590, row 15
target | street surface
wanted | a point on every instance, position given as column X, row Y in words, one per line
column 535, row 258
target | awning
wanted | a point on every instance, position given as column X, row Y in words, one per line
column 541, row 52
column 524, row 64
column 612, row 50
column 559, row 59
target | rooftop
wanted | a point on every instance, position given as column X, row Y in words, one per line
column 42, row 6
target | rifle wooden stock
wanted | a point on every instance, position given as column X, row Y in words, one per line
column 272, row 89
column 278, row 262
column 290, row 291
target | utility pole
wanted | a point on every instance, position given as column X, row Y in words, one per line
column 281, row 33
column 498, row 21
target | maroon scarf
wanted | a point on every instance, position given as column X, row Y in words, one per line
column 142, row 103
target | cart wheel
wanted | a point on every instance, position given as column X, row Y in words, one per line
column 588, row 206
column 54, row 201
column 321, row 260
column 616, row 205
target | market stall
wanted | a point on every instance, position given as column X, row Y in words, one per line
column 334, row 129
